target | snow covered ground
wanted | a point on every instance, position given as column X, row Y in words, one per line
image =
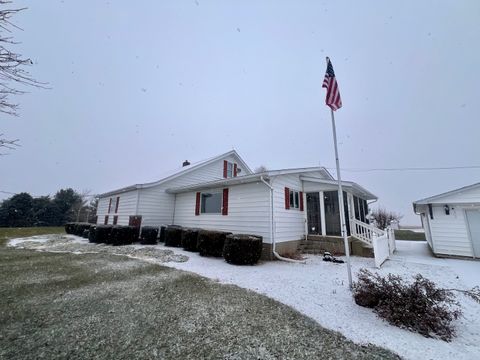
column 319, row 290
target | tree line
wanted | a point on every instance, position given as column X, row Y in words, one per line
column 24, row 210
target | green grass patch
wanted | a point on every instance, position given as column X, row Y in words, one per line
column 409, row 235
column 12, row 233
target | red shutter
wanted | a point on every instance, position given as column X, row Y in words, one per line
column 115, row 220
column 234, row 170
column 225, row 202
column 116, row 206
column 110, row 205
column 287, row 198
column 225, row 168
column 106, row 220
column 301, row 201
column 197, row 204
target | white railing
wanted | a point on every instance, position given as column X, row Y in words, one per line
column 364, row 232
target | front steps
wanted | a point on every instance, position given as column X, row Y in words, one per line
column 317, row 244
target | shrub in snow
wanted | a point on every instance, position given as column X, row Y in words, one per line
column 162, row 234
column 173, row 236
column 149, row 235
column 418, row 306
column 190, row 239
column 78, row 228
column 92, row 234
column 242, row 249
column 102, row 233
column 123, row 235
column 86, row 232
column 210, row 243
column 69, row 228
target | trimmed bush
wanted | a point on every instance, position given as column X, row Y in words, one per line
column 240, row 249
column 149, row 235
column 210, row 243
column 173, row 236
column 162, row 234
column 102, row 233
column 123, row 235
column 418, row 306
column 69, row 228
column 92, row 234
column 190, row 239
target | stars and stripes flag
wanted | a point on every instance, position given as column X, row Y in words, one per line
column 332, row 99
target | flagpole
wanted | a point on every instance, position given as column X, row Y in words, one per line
column 340, row 200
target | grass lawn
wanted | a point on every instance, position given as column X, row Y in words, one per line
column 409, row 235
column 10, row 233
column 102, row 306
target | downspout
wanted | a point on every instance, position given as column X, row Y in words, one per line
column 272, row 237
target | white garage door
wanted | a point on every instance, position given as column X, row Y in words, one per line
column 473, row 218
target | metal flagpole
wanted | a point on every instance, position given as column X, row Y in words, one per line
column 341, row 206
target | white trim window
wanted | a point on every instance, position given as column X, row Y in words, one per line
column 211, row 202
column 294, row 199
column 229, row 169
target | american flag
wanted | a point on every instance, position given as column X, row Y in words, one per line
column 332, row 99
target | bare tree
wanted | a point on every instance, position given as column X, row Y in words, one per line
column 260, row 169
column 12, row 69
column 383, row 217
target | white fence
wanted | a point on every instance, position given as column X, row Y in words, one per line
column 383, row 246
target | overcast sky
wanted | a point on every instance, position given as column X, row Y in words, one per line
column 138, row 87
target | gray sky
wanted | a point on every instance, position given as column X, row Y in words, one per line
column 138, row 87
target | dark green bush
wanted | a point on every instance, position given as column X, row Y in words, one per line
column 69, row 228
column 92, row 234
column 123, row 235
column 173, row 236
column 190, row 239
column 210, row 243
column 102, row 233
column 162, row 234
column 149, row 235
column 85, row 234
column 240, row 249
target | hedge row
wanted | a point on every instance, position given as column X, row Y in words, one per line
column 77, row 228
column 237, row 249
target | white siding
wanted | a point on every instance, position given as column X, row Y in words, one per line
column 248, row 211
column 156, row 206
column 126, row 207
column 449, row 232
column 289, row 224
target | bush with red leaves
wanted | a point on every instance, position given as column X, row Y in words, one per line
column 418, row 306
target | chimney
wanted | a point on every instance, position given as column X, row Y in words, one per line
column 186, row 163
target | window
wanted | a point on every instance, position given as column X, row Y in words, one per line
column 294, row 199
column 211, row 203
column 229, row 170
column 113, row 206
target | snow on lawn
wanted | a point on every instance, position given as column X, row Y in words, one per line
column 319, row 290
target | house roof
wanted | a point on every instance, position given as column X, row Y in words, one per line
column 177, row 172
column 267, row 175
column 359, row 190
column 437, row 198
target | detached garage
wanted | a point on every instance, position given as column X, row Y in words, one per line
column 452, row 221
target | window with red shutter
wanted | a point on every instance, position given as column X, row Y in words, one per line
column 235, row 170
column 301, row 200
column 287, row 198
column 197, row 204
column 225, row 202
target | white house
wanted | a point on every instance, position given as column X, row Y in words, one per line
column 452, row 221
column 222, row 193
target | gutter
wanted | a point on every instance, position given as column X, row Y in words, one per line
column 277, row 255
